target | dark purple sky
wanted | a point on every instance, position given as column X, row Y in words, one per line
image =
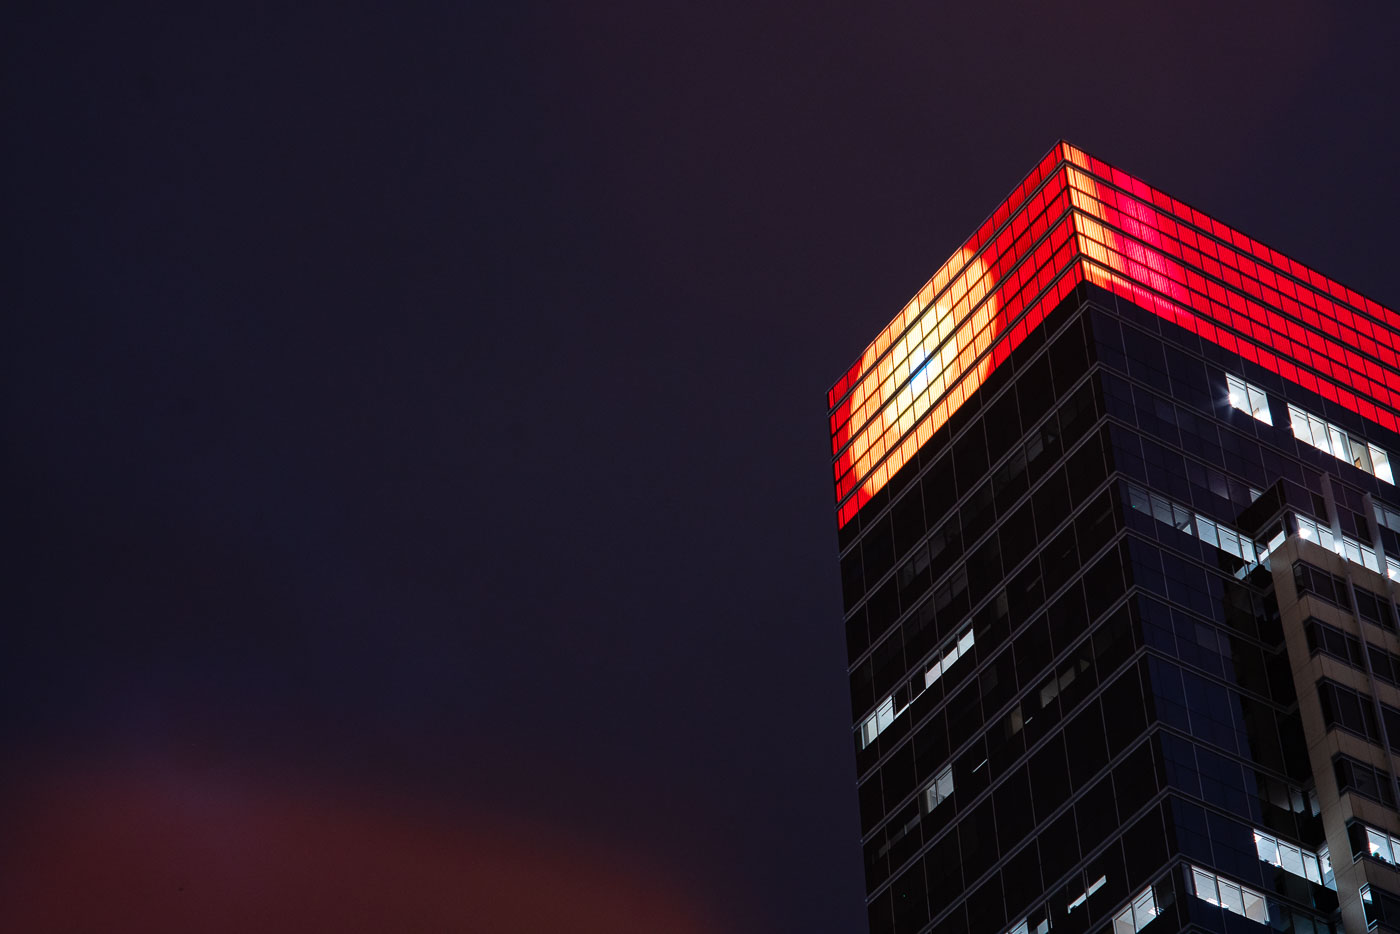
column 419, row 496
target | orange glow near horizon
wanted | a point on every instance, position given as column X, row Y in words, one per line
column 1074, row 219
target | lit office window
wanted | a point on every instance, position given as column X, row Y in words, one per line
column 1136, row 916
column 1380, row 462
column 885, row 714
column 939, row 790
column 1331, row 439
column 1368, row 841
column 1348, row 548
column 1178, row 516
column 1024, row 926
column 1289, row 858
column 1229, row 895
column 1094, row 886
column 1388, row 517
column 1248, row 398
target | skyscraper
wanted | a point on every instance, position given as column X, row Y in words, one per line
column 1119, row 536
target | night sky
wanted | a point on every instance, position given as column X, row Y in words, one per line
column 417, row 484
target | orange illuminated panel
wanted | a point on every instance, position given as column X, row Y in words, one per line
column 1072, row 219
column 1235, row 292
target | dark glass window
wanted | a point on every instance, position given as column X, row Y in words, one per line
column 1363, row 779
column 1343, row 707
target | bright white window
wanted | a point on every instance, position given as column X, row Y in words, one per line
column 1290, row 858
column 965, row 643
column 1267, row 847
column 1381, row 464
column 1229, row 895
column 1348, row 548
column 1138, row 913
column 1093, row 887
column 1248, row 398
column 1212, row 533
column 939, row 790
column 885, row 714
column 1333, row 439
column 1383, row 846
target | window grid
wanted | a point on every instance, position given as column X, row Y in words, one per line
column 1346, row 546
column 1138, row 243
column 1139, row 912
column 1229, row 895
column 1379, row 844
column 1215, row 534
column 1315, row 867
column 1331, row 439
column 1048, row 165
column 1248, row 297
column 1249, row 398
column 939, row 789
column 887, row 710
column 952, row 310
column 1024, row 927
column 963, row 363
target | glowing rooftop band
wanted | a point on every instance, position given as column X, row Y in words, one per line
column 1075, row 219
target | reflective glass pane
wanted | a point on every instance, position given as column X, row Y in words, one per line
column 1254, row 907
column 1381, row 461
column 1360, row 456
column 1341, row 447
column 1299, row 423
column 1231, row 898
column 1267, row 847
column 1378, row 844
column 933, row 674
column 1238, row 395
column 1259, row 405
column 945, row 782
column 1229, row 541
column 1205, row 529
column 1161, row 510
column 1205, row 886
column 885, row 715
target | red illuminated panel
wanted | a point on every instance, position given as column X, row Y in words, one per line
column 1235, row 292
column 1072, row 219
column 949, row 338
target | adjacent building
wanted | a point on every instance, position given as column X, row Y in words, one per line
column 1120, row 534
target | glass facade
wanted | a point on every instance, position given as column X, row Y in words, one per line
column 1120, row 620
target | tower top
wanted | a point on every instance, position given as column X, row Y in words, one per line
column 1075, row 219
